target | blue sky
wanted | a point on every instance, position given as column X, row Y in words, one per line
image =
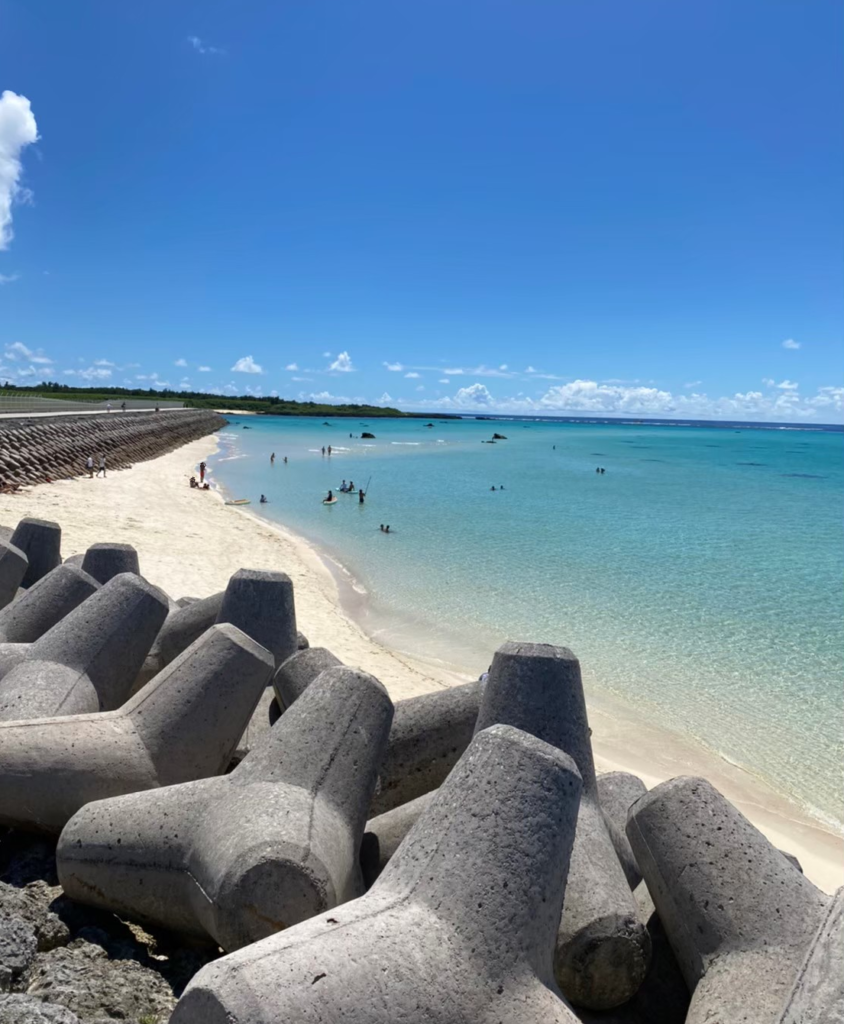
column 533, row 205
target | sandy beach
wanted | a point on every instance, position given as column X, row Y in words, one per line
column 189, row 543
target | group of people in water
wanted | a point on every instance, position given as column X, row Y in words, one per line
column 600, row 469
column 384, row 529
column 350, row 489
column 272, row 459
column 500, row 487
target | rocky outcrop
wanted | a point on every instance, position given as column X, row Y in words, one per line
column 34, row 451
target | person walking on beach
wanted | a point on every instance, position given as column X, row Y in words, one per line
column 123, row 407
column 102, row 468
column 202, row 472
column 89, row 465
column 323, row 449
column 108, row 406
column 329, row 449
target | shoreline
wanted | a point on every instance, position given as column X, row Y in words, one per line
column 192, row 550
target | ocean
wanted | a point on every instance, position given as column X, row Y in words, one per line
column 698, row 579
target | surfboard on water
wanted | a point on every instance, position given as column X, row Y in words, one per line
column 239, row 501
column 333, row 501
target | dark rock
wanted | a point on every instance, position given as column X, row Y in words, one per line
column 498, row 437
column 367, row 435
column 19, row 1009
column 18, row 947
column 33, row 905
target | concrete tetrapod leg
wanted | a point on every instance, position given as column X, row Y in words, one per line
column 429, row 735
column 392, row 827
column 297, row 673
column 104, row 561
column 45, row 603
column 88, row 661
column 270, row 845
column 818, row 993
column 13, row 566
column 181, row 627
column 41, row 541
column 261, row 604
column 183, row 726
column 738, row 916
column 617, row 792
column 459, row 929
column 603, row 948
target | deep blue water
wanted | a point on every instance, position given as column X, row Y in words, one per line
column 699, row 579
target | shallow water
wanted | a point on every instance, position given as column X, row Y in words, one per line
column 699, row 579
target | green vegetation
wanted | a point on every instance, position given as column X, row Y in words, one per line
column 269, row 406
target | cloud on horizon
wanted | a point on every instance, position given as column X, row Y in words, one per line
column 247, row 365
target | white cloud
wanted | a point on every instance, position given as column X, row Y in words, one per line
column 791, row 343
column 204, row 369
column 788, row 385
column 342, row 364
column 291, row 366
column 693, row 384
column 17, row 131
column 326, row 355
column 17, row 350
column 103, row 362
column 181, row 362
column 503, row 366
column 301, row 378
column 394, row 367
column 475, row 394
column 385, row 398
column 529, row 369
column 203, row 47
column 444, row 380
column 41, row 360
column 247, row 365
column 9, row 278
column 421, row 387
column 92, row 373
column 413, row 375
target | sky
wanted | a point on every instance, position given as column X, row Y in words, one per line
column 537, row 206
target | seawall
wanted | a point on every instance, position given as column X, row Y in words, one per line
column 40, row 450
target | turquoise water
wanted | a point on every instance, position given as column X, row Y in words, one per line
column 699, row 579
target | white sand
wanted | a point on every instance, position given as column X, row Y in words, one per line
column 190, row 543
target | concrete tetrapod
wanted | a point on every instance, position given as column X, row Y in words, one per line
column 13, row 566
column 45, row 603
column 261, row 604
column 41, row 541
column 181, row 627
column 183, row 726
column 458, row 930
column 271, row 844
column 88, row 660
column 104, row 561
column 603, row 948
column 297, row 673
column 818, row 993
column 617, row 792
column 429, row 735
column 738, row 916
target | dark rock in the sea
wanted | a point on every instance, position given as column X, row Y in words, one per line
column 429, row 424
column 326, row 424
column 498, row 437
column 488, row 442
column 367, row 435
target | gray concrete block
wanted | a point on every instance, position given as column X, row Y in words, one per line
column 262, row 605
column 391, row 827
column 818, row 993
column 263, row 848
column 297, row 672
column 88, row 660
column 740, row 919
column 13, row 566
column 603, row 948
column 429, row 735
column 181, row 628
column 618, row 791
column 181, row 727
column 458, row 930
column 41, row 541
column 46, row 602
column 105, row 561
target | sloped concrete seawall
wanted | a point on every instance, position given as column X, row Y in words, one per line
column 39, row 450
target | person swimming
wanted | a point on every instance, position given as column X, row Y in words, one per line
column 263, row 499
column 493, row 487
column 330, row 496
column 343, row 487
